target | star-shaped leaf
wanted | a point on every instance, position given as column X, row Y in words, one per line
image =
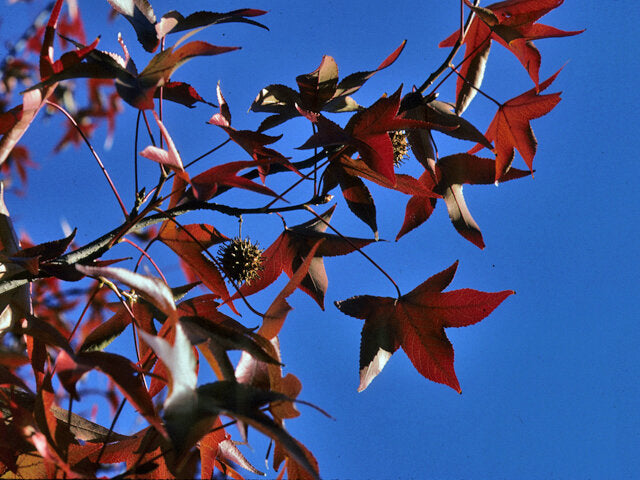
column 451, row 173
column 252, row 142
column 368, row 133
column 137, row 89
column 510, row 128
column 348, row 173
column 416, row 322
column 320, row 90
column 511, row 23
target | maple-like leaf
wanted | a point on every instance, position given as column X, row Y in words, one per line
column 368, row 133
column 416, row 322
column 511, row 23
column 348, row 173
column 451, row 173
column 288, row 251
column 319, row 90
column 254, row 143
column 510, row 128
column 206, row 184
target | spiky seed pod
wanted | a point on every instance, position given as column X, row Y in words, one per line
column 241, row 260
column 400, row 146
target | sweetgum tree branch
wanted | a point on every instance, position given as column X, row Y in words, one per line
column 454, row 51
column 101, row 245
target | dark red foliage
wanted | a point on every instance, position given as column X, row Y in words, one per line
column 65, row 301
column 416, row 322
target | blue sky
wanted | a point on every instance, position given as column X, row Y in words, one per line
column 547, row 379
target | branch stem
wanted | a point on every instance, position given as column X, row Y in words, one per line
column 309, row 209
column 445, row 64
column 93, row 151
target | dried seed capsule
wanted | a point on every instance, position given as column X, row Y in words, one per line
column 400, row 146
column 241, row 260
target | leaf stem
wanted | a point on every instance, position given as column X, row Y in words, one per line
column 145, row 254
column 486, row 95
column 135, row 153
column 95, row 154
column 309, row 209
column 84, row 311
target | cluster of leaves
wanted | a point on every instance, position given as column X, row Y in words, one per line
column 43, row 357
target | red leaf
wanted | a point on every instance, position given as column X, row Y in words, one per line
column 46, row 50
column 355, row 192
column 419, row 208
column 181, row 92
column 510, row 128
column 416, row 322
column 216, row 447
column 453, row 171
column 205, row 185
column 404, row 183
column 16, row 124
column 367, row 132
column 169, row 157
column 252, row 142
column 276, row 313
column 512, row 24
column 196, row 235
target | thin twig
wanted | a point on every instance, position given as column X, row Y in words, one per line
column 146, row 122
column 95, row 154
column 111, row 428
column 432, row 78
column 135, row 153
column 145, row 254
column 486, row 95
column 309, row 209
column 84, row 311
